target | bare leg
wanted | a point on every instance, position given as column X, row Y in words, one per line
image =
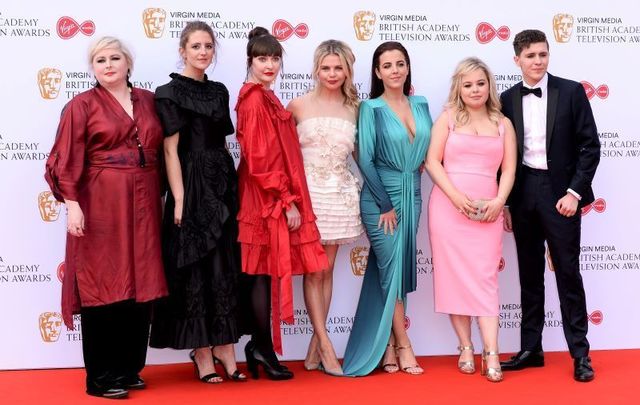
column 406, row 357
column 489, row 330
column 462, row 327
column 314, row 292
column 389, row 360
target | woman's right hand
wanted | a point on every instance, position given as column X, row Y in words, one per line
column 75, row 218
column 177, row 213
column 388, row 221
column 294, row 220
column 463, row 204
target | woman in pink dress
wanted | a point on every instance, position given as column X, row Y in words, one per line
column 471, row 142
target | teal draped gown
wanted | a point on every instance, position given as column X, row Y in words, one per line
column 390, row 164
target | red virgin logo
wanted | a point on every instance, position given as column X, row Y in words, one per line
column 67, row 27
column 501, row 264
column 596, row 317
column 601, row 91
column 407, row 322
column 60, row 271
column 485, row 33
column 599, row 206
column 283, row 30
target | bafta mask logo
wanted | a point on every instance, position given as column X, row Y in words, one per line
column 359, row 257
column 49, row 207
column 364, row 23
column 50, row 326
column 49, row 80
column 562, row 27
column 153, row 22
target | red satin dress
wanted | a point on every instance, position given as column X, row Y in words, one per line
column 271, row 177
column 96, row 161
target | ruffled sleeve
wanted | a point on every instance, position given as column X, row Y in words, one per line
column 66, row 161
column 367, row 155
column 257, row 136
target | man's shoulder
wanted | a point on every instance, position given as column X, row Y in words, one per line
column 561, row 82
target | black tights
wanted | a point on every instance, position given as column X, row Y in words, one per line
column 260, row 308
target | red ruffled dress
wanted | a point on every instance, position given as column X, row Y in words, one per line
column 271, row 177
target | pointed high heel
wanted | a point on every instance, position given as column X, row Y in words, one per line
column 414, row 369
column 390, row 367
column 211, row 378
column 466, row 367
column 236, row 376
column 270, row 366
column 493, row 374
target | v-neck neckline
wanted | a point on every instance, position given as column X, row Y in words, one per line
column 122, row 110
column 411, row 138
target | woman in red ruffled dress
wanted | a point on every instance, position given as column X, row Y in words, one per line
column 277, row 229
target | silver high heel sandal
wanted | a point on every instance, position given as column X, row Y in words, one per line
column 466, row 367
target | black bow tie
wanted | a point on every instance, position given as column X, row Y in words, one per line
column 536, row 92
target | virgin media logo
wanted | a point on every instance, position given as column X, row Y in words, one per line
column 407, row 322
column 596, row 317
column 283, row 30
column 485, row 33
column 599, row 206
column 601, row 91
column 67, row 27
column 501, row 264
column 60, row 271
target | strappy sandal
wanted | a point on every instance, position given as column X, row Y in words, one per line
column 413, row 370
column 211, row 378
column 390, row 367
column 466, row 367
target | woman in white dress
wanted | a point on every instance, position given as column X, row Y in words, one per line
column 326, row 118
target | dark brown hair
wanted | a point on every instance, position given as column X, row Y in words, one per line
column 262, row 43
column 524, row 39
column 377, row 87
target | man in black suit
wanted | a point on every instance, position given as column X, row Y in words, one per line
column 558, row 153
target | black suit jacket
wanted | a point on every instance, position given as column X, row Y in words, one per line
column 573, row 147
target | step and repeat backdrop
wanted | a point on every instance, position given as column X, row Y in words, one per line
column 44, row 49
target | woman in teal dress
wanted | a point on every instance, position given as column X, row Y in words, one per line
column 393, row 135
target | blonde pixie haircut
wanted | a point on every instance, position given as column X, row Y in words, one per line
column 455, row 103
column 110, row 42
column 347, row 59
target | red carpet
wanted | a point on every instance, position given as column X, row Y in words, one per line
column 616, row 383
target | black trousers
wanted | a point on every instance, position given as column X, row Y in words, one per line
column 114, row 341
column 535, row 219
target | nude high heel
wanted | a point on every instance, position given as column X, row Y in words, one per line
column 493, row 374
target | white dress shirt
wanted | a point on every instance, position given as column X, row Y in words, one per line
column 534, row 115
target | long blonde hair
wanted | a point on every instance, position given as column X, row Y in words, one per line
column 455, row 103
column 342, row 51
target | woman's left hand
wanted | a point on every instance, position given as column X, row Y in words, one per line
column 493, row 209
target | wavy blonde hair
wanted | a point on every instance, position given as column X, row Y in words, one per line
column 455, row 103
column 342, row 51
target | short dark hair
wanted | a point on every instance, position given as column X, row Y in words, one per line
column 524, row 39
column 377, row 87
column 262, row 43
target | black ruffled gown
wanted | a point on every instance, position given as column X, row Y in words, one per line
column 202, row 257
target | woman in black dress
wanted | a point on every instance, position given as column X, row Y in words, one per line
column 202, row 257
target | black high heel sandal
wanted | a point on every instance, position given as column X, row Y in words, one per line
column 212, row 378
column 271, row 366
column 236, row 376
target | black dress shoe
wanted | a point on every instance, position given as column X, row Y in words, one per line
column 133, row 382
column 114, row 391
column 582, row 369
column 269, row 363
column 523, row 359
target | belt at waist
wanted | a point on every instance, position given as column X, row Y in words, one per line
column 123, row 158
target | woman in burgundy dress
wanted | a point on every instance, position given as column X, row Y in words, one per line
column 104, row 166
column 277, row 230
